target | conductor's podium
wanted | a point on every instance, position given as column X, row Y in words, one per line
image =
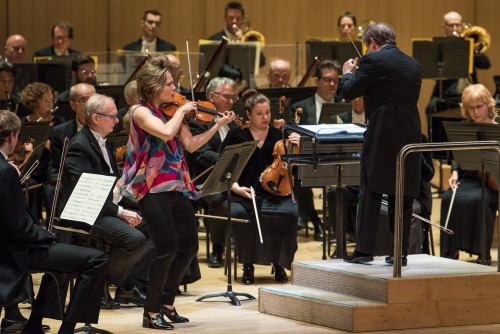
column 432, row 292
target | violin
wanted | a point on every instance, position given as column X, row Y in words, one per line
column 205, row 111
column 277, row 178
column 22, row 152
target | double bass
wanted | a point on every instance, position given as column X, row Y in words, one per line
column 277, row 178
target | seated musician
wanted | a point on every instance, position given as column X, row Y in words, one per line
column 233, row 72
column 8, row 100
column 347, row 26
column 279, row 73
column 83, row 70
column 465, row 220
column 149, row 41
column 279, row 231
column 327, row 81
column 62, row 38
column 220, row 91
column 453, row 26
column 131, row 98
column 122, row 229
column 27, row 247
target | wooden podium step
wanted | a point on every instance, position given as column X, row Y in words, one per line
column 432, row 292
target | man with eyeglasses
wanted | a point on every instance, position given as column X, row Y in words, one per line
column 62, row 38
column 453, row 26
column 149, row 41
column 327, row 82
column 219, row 91
column 82, row 71
column 279, row 73
column 120, row 227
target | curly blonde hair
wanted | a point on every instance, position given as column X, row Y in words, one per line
column 34, row 92
column 474, row 93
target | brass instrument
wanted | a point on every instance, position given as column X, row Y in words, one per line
column 250, row 35
column 480, row 36
column 362, row 28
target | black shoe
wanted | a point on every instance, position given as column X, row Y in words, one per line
column 110, row 305
column 358, row 257
column 215, row 260
column 12, row 326
column 280, row 274
column 301, row 223
column 488, row 261
column 390, row 260
column 156, row 322
column 318, row 231
column 248, row 277
column 173, row 315
column 134, row 296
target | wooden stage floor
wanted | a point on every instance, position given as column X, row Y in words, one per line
column 218, row 315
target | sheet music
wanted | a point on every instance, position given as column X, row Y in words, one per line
column 88, row 197
column 334, row 128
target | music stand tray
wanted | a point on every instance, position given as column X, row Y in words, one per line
column 329, row 111
column 227, row 170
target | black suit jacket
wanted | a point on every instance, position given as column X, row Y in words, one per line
column 85, row 156
column 308, row 115
column 389, row 82
column 18, row 234
column 49, row 51
column 59, row 132
column 161, row 45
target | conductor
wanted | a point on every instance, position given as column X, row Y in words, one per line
column 389, row 82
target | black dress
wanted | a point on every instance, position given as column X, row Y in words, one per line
column 277, row 214
column 466, row 215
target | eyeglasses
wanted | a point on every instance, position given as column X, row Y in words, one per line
column 330, row 80
column 47, row 101
column 227, row 96
column 453, row 25
column 88, row 72
column 61, row 38
column 113, row 117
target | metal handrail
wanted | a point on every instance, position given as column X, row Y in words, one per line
column 400, row 162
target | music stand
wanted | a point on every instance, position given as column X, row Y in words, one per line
column 479, row 160
column 444, row 58
column 38, row 131
column 329, row 111
column 338, row 50
column 227, row 170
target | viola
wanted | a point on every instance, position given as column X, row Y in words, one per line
column 277, row 178
column 205, row 112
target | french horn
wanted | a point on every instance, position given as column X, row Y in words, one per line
column 480, row 36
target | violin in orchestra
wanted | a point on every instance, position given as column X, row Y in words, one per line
column 277, row 178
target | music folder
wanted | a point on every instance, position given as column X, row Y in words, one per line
column 331, row 133
column 329, row 111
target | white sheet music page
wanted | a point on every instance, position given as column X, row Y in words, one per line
column 88, row 197
column 345, row 128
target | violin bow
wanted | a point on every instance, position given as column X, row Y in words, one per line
column 190, row 72
column 256, row 213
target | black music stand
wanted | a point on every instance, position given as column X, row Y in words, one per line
column 39, row 131
column 476, row 159
column 330, row 110
column 444, row 58
column 227, row 170
column 340, row 146
column 338, row 50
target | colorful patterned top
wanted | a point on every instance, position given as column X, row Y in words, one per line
column 154, row 165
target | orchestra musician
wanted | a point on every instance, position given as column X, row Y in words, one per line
column 149, row 41
column 279, row 73
column 82, row 71
column 234, row 17
column 453, row 26
column 220, row 92
column 62, row 38
column 233, row 72
column 465, row 218
column 8, row 100
column 164, row 192
column 120, row 227
column 327, row 81
column 347, row 25
column 279, row 223
column 27, row 247
column 390, row 97
column 15, row 49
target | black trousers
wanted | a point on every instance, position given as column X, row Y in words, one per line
column 172, row 227
column 89, row 265
column 131, row 253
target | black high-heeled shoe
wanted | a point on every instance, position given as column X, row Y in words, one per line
column 248, row 274
column 173, row 315
column 279, row 274
column 156, row 322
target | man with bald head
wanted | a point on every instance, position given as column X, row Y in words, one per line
column 15, row 49
column 279, row 73
column 453, row 26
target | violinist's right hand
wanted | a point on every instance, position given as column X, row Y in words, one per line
column 453, row 180
column 350, row 66
column 241, row 191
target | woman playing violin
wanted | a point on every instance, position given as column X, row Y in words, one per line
column 279, row 222
column 155, row 173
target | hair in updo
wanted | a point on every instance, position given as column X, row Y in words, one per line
column 251, row 98
column 153, row 76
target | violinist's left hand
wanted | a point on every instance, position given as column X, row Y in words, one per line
column 278, row 123
column 228, row 117
column 294, row 138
